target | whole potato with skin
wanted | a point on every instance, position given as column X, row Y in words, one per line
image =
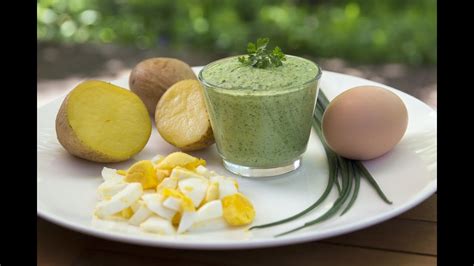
column 181, row 117
column 101, row 122
column 150, row 78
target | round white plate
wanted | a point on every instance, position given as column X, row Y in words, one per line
column 408, row 175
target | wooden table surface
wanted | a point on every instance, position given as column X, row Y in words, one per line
column 409, row 239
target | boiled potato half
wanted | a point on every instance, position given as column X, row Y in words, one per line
column 101, row 122
column 181, row 117
column 150, row 78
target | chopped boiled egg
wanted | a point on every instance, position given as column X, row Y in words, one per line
column 110, row 174
column 122, row 172
column 157, row 159
column 202, row 170
column 142, row 172
column 194, row 188
column 126, row 213
column 154, row 203
column 209, row 226
column 136, row 205
column 173, row 203
column 172, row 194
column 186, row 221
column 209, row 211
column 212, row 192
column 180, row 159
column 227, row 187
column 237, row 209
column 182, row 173
column 162, row 174
column 186, row 202
column 109, row 188
column 158, row 225
column 183, row 204
column 140, row 215
column 169, row 182
column 123, row 199
column 176, row 218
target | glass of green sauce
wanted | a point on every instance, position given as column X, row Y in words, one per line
column 261, row 117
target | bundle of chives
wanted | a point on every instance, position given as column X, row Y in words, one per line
column 349, row 171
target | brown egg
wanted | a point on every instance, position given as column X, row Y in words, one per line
column 364, row 122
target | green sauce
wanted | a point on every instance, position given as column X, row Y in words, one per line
column 261, row 117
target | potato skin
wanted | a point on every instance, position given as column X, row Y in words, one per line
column 68, row 139
column 206, row 141
column 150, row 78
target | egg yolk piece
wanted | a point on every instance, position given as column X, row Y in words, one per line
column 122, row 172
column 127, row 213
column 142, row 172
column 180, row 159
column 237, row 209
column 186, row 202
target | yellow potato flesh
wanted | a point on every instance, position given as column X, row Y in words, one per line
column 181, row 116
column 108, row 119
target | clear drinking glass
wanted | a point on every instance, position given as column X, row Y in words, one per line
column 261, row 133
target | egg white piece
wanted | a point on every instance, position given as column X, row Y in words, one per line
column 227, row 187
column 209, row 225
column 194, row 188
column 216, row 178
column 187, row 220
column 154, row 204
column 158, row 225
column 140, row 215
column 209, row 211
column 204, row 171
column 212, row 192
column 156, row 159
column 168, row 182
column 123, row 199
column 136, row 205
column 182, row 173
column 109, row 188
column 172, row 203
column 110, row 174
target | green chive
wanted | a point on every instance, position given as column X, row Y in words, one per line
column 372, row 181
column 356, row 187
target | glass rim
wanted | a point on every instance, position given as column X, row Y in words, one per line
column 208, row 84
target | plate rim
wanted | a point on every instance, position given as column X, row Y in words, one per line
column 307, row 236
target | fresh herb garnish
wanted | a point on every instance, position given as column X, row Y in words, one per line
column 261, row 57
column 349, row 170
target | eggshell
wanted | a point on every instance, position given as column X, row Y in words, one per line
column 364, row 122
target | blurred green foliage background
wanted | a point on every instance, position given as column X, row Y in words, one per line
column 363, row 31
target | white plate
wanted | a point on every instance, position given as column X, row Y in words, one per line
column 408, row 175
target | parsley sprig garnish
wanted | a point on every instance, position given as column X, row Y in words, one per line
column 261, row 57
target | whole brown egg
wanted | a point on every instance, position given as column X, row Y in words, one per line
column 364, row 122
